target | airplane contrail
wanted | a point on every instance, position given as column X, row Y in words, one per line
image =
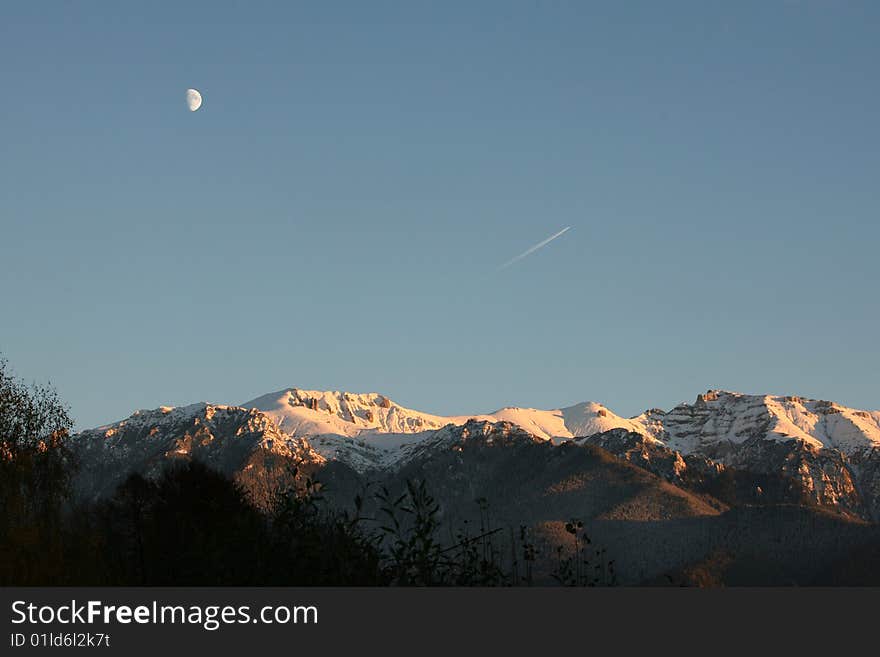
column 534, row 248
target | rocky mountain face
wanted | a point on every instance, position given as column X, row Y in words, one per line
column 242, row 443
column 830, row 454
column 731, row 447
column 759, row 472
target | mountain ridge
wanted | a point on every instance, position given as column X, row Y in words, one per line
column 828, row 450
column 718, row 416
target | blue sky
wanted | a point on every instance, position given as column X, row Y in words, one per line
column 336, row 214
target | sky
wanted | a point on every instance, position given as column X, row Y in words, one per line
column 338, row 213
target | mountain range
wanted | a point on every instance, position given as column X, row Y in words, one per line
column 729, row 471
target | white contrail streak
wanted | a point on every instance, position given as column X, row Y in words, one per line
column 532, row 249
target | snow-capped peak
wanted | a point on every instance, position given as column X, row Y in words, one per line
column 721, row 416
column 313, row 412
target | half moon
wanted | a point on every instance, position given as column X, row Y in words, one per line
column 193, row 99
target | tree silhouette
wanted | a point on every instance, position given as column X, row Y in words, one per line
column 35, row 471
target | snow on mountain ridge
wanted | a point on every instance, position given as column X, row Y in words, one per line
column 721, row 416
column 716, row 417
column 369, row 430
column 315, row 412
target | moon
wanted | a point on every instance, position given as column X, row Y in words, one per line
column 193, row 99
